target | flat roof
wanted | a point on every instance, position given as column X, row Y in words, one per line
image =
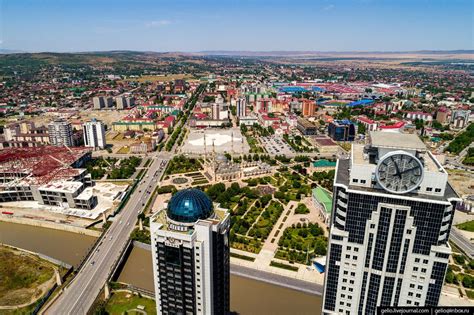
column 382, row 139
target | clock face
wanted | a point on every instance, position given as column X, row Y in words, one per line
column 399, row 172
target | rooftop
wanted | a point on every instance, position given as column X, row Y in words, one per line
column 382, row 139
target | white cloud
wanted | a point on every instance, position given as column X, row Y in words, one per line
column 158, row 23
column 329, row 7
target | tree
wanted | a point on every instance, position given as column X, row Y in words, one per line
column 361, row 128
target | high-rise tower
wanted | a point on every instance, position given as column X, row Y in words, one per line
column 391, row 217
column 191, row 255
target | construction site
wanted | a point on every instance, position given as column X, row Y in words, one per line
column 53, row 179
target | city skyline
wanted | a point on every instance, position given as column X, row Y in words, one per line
column 188, row 26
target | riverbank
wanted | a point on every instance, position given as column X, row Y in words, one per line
column 49, row 225
column 25, row 278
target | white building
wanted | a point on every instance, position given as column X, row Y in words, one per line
column 190, row 250
column 94, row 134
column 60, row 133
column 390, row 224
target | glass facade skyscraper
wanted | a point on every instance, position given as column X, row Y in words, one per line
column 191, row 255
column 389, row 228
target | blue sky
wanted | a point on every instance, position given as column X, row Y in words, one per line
column 255, row 25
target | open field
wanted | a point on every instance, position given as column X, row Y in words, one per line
column 24, row 277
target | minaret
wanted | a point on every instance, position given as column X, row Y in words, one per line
column 205, row 148
column 232, row 144
column 214, row 164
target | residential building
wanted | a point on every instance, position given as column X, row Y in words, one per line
column 60, row 133
column 124, row 102
column 309, row 108
column 241, row 107
column 460, row 118
column 100, row 102
column 190, row 250
column 370, row 125
column 342, row 130
column 391, row 218
column 24, row 134
column 94, row 134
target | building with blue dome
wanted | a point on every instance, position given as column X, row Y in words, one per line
column 191, row 262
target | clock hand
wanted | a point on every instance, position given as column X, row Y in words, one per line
column 398, row 170
column 408, row 170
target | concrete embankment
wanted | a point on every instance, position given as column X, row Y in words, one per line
column 49, row 225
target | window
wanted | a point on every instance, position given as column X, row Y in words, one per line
column 372, row 226
column 343, row 295
column 415, row 268
column 351, row 289
column 417, row 303
column 355, row 180
column 420, row 287
column 410, row 293
column 344, row 280
column 429, row 188
column 354, row 257
column 437, row 190
column 418, row 295
column 362, row 181
column 425, row 261
column 356, row 249
column 412, row 285
column 417, row 260
column 353, row 274
column 348, row 256
column 348, row 248
column 408, row 232
column 423, row 270
column 409, row 302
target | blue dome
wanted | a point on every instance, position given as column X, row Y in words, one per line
column 189, row 205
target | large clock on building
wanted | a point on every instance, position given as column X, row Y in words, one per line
column 399, row 172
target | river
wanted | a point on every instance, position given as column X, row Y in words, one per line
column 248, row 296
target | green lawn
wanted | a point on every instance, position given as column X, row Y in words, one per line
column 20, row 276
column 467, row 226
column 122, row 302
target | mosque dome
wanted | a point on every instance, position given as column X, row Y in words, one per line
column 189, row 205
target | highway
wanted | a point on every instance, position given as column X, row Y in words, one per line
column 462, row 242
column 80, row 294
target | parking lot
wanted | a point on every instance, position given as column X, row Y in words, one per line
column 276, row 145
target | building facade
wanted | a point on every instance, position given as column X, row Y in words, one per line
column 342, row 130
column 391, row 218
column 190, row 249
column 94, row 134
column 60, row 133
column 241, row 107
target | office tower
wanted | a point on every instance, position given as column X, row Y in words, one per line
column 123, row 102
column 241, row 107
column 191, row 255
column 342, row 130
column 391, row 218
column 94, row 134
column 60, row 133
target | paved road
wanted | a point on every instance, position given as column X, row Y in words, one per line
column 79, row 296
column 462, row 242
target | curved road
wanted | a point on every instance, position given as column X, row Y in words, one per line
column 79, row 296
